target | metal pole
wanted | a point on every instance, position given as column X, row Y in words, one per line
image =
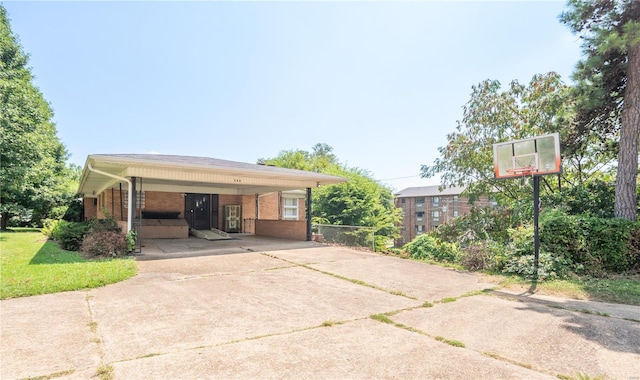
column 373, row 238
column 308, row 214
column 536, row 236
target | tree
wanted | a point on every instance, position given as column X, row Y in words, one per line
column 33, row 171
column 608, row 85
column 361, row 201
column 494, row 115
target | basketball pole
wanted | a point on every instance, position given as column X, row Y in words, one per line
column 536, row 237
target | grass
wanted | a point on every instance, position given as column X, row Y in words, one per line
column 450, row 342
column 619, row 289
column 105, row 372
column 32, row 265
column 385, row 319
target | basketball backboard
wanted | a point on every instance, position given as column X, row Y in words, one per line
column 535, row 156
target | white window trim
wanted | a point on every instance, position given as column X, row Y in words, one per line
column 295, row 208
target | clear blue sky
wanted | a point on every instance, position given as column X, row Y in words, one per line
column 380, row 82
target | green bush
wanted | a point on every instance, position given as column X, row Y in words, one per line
column 484, row 255
column 593, row 245
column 480, row 224
column 70, row 234
column 549, row 267
column 431, row 248
column 106, row 243
column 49, row 227
column 592, row 198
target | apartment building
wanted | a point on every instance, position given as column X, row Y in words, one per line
column 425, row 208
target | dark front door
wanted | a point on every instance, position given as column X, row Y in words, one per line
column 197, row 211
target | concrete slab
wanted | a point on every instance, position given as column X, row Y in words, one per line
column 320, row 254
column 155, row 249
column 361, row 349
column 261, row 313
column 551, row 340
column 46, row 334
column 416, row 279
column 170, row 316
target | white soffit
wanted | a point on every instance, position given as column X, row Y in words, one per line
column 195, row 175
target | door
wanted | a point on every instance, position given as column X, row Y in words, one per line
column 232, row 216
column 197, row 211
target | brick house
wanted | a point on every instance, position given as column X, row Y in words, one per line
column 173, row 195
column 425, row 208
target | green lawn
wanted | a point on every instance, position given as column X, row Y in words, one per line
column 30, row 265
column 618, row 289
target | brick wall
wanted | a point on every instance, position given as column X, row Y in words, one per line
column 285, row 229
column 269, row 206
column 109, row 201
column 248, row 213
column 90, row 206
column 448, row 208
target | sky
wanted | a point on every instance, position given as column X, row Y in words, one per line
column 381, row 82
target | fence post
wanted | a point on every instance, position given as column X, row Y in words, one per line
column 373, row 238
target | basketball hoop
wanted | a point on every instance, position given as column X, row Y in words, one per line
column 522, row 171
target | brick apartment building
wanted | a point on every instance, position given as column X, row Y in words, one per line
column 425, row 208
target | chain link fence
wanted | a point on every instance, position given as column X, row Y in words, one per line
column 350, row 236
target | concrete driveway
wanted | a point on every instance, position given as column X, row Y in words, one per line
column 303, row 310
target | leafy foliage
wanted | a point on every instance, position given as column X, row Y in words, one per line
column 570, row 244
column 430, row 248
column 35, row 176
column 70, row 234
column 361, row 201
column 608, row 87
column 591, row 245
column 494, row 115
column 480, row 224
column 105, row 243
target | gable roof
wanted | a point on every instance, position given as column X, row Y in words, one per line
column 189, row 174
column 428, row 191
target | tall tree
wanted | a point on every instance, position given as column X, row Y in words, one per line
column 362, row 201
column 494, row 115
column 608, row 82
column 34, row 176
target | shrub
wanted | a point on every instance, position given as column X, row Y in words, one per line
column 593, row 245
column 484, row 255
column 429, row 247
column 549, row 267
column 519, row 257
column 592, row 198
column 70, row 234
column 49, row 227
column 105, row 243
column 480, row 224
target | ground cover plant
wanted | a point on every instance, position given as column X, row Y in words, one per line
column 31, row 264
column 581, row 256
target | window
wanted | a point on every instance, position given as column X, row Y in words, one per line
column 435, row 201
column 403, row 199
column 291, row 208
column 419, row 216
column 435, row 216
column 140, row 199
column 419, row 201
column 419, row 229
column 455, row 199
column 455, row 213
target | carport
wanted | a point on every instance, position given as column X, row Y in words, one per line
column 123, row 174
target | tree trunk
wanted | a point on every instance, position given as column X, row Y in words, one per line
column 626, row 180
column 3, row 221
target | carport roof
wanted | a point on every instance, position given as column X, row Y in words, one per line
column 188, row 174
